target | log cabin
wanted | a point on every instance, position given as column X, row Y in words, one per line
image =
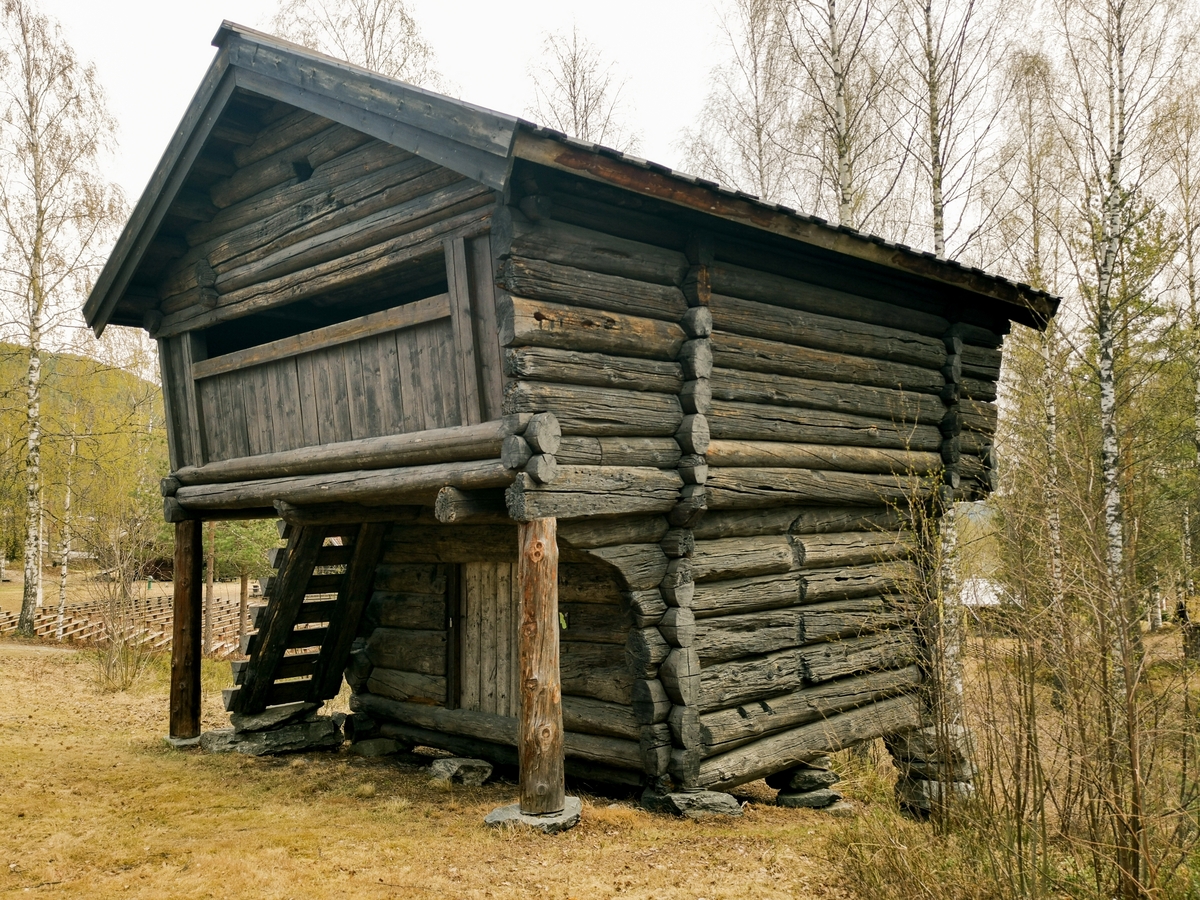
column 585, row 463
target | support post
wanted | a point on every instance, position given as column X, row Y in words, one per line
column 185, row 637
column 540, row 734
column 543, row 803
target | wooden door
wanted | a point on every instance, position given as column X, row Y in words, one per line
column 488, row 665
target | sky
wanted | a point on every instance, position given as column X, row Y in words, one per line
column 150, row 56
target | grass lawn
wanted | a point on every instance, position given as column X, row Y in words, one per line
column 93, row 804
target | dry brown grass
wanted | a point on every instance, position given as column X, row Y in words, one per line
column 94, row 805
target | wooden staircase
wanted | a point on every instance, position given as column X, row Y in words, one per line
column 303, row 634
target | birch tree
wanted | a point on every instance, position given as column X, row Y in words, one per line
column 381, row 35
column 952, row 51
column 748, row 120
column 845, row 68
column 577, row 92
column 55, row 214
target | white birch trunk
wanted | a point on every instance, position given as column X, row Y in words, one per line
column 66, row 546
column 31, row 590
column 841, row 121
column 936, row 163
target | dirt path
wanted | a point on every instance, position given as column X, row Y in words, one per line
column 94, row 805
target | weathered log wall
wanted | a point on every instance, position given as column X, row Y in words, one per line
column 335, row 226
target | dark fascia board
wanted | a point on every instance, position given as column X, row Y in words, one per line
column 471, row 140
column 1021, row 303
column 191, row 133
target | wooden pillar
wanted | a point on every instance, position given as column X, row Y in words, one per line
column 185, row 637
column 540, row 734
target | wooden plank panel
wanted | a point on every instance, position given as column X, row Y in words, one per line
column 411, row 386
column 444, row 361
column 505, row 645
column 306, row 380
column 256, row 393
column 514, row 630
column 208, row 394
column 286, row 422
column 458, row 280
column 472, row 576
column 356, row 391
column 235, row 408
column 192, row 347
column 487, row 333
column 428, row 310
column 487, row 638
column 379, row 385
column 333, row 403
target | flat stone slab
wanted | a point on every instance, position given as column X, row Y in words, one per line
column 818, row 799
column 182, row 743
column 319, row 733
column 273, row 716
column 693, row 804
column 372, row 747
column 553, row 823
column 803, row 779
column 471, row 772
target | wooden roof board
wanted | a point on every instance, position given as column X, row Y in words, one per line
column 482, row 145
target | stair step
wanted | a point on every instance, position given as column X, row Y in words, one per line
column 281, row 692
column 299, row 666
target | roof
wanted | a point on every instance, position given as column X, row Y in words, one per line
column 480, row 144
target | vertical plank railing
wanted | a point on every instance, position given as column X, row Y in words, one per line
column 540, row 733
column 185, row 637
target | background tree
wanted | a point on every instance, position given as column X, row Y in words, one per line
column 578, row 93
column 749, row 117
column 381, row 35
column 56, row 211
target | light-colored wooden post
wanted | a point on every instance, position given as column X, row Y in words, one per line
column 540, row 734
column 185, row 634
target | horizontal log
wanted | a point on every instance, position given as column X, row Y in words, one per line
column 596, row 623
column 726, row 729
column 872, row 652
column 749, row 354
column 651, row 704
column 660, row 453
column 743, row 595
column 420, row 612
column 739, row 488
column 780, row 390
column 458, row 444
column 830, row 457
column 647, row 606
column 981, row 362
column 978, row 415
column 752, row 284
column 860, row 581
column 854, row 548
column 595, row 412
column 455, row 507
column 749, row 634
column 590, row 582
column 639, row 566
column 412, row 485
column 596, row 251
column 598, row 671
column 610, row 532
column 594, row 369
column 585, row 715
column 343, row 513
column 503, row 730
column 408, row 650
column 413, row 687
column 755, row 421
column 796, row 746
column 466, row 217
column 422, row 578
column 680, row 676
column 753, row 678
column 539, row 323
column 279, row 135
column 982, row 389
column 345, row 170
column 745, row 557
column 407, row 544
column 581, row 491
column 795, row 520
column 825, row 332
column 853, row 618
column 645, row 649
column 542, row 280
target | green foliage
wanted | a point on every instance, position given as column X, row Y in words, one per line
column 242, row 547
